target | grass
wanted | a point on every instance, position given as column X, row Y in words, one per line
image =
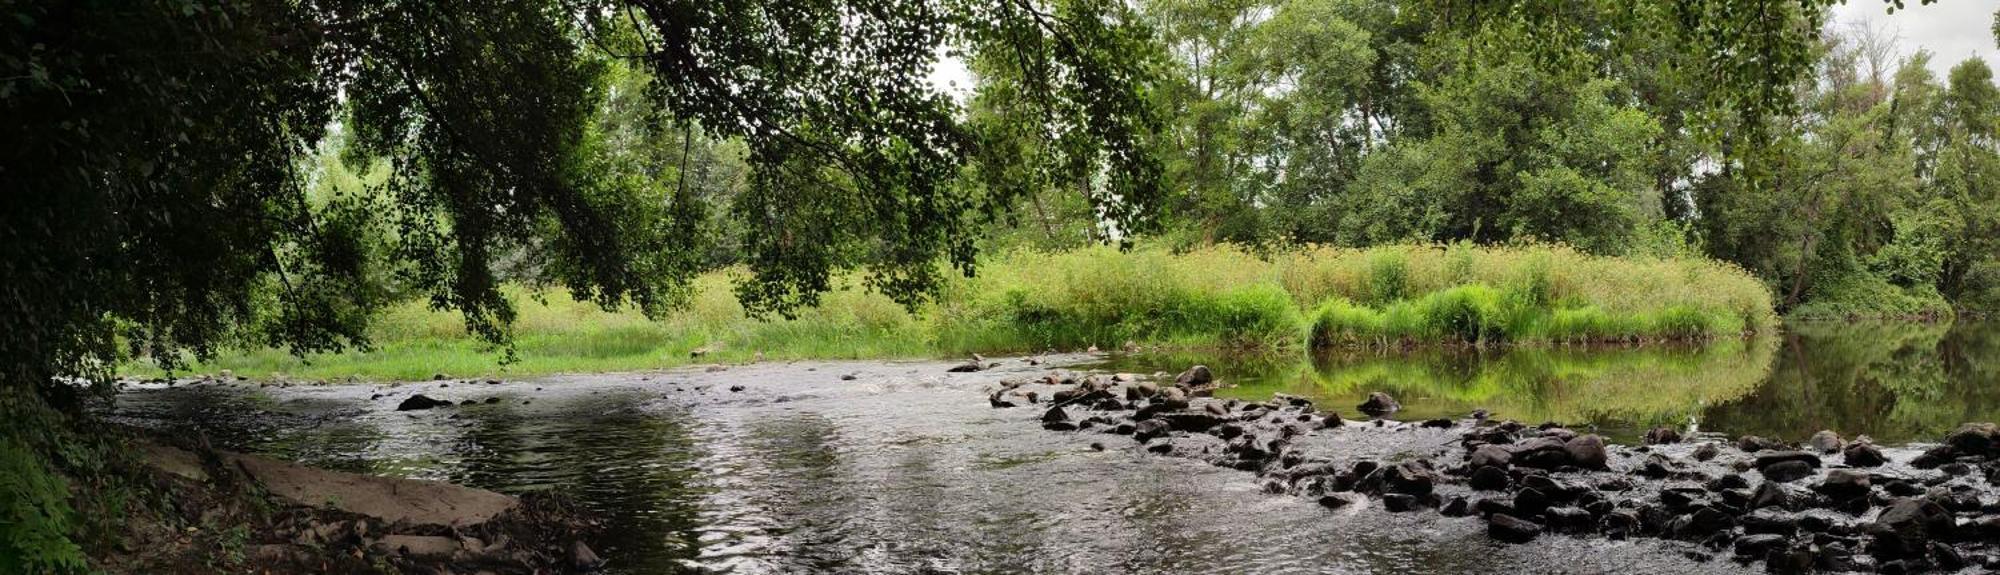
column 1027, row 301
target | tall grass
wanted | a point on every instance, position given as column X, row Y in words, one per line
column 1028, row 301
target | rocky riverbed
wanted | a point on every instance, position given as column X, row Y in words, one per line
column 1829, row 505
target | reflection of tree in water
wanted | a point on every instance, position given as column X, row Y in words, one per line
column 1622, row 389
column 1894, row 381
column 635, row 467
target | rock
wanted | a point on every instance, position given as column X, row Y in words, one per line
column 1489, row 479
column 1826, row 441
column 1568, row 519
column 1410, row 478
column 1339, row 500
column 1191, row 421
column 420, row 401
column 1456, row 507
column 1706, row 452
column 1149, row 429
column 1587, row 452
column 1842, row 484
column 1786, row 471
column 1662, row 435
column 1974, row 439
column 1055, row 414
column 416, row 546
column 1059, row 425
column 1379, row 404
column 1753, row 444
column 1906, row 527
column 581, row 558
column 997, row 402
column 1863, row 454
column 1757, row 545
column 1140, row 390
column 1196, row 376
column 1439, row 423
column 1770, row 494
column 1399, row 502
column 1770, row 458
column 1540, row 452
column 1511, row 529
column 966, row 367
column 1490, row 456
column 848, row 377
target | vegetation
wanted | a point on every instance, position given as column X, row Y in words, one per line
column 1027, row 301
column 273, row 173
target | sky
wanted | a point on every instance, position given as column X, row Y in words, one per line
column 1953, row 30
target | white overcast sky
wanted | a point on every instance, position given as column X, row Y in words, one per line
column 1953, row 30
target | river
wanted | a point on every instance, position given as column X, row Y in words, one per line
column 899, row 467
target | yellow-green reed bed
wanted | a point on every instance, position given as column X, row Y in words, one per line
column 1033, row 301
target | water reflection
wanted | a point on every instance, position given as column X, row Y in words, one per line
column 1897, row 382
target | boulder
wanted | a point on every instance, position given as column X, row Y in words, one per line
column 1196, row 376
column 1489, row 479
column 1786, row 471
column 967, row 367
column 1399, row 502
column 1379, row 404
column 1907, row 526
column 1974, row 439
column 581, row 558
column 1770, row 494
column 1706, row 452
column 1662, row 435
column 1148, row 429
column 1511, row 529
column 1490, row 456
column 1863, row 454
column 1587, row 451
column 1770, row 458
column 1410, row 478
column 420, row 401
column 1753, row 444
column 1843, row 484
column 1759, row 544
column 1826, row 441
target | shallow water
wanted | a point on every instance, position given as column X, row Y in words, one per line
column 905, row 469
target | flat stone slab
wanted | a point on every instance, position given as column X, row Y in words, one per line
column 389, row 499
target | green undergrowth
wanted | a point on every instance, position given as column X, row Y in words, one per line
column 1028, row 301
column 1865, row 296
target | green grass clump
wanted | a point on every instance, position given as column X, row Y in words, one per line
column 1029, row 301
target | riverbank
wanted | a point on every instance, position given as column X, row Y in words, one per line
column 1029, row 302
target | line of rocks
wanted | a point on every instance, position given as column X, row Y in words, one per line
column 1830, row 505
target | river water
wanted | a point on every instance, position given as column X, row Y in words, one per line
column 899, row 467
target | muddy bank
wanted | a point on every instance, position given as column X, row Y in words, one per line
column 1828, row 505
column 221, row 511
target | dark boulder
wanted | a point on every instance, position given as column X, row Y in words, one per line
column 1662, row 435
column 1439, row 423
column 1191, row 421
column 1399, row 502
column 1907, row 526
column 1490, row 456
column 1587, row 451
column 1757, row 545
column 1511, row 529
column 1770, row 494
column 1148, row 429
column 1411, row 478
column 1196, row 376
column 1706, row 452
column 1569, row 519
column 1826, row 441
column 1540, row 453
column 1379, row 404
column 1974, row 439
column 1786, row 471
column 1769, row 458
column 1863, row 454
column 420, row 401
column 1753, row 444
column 1339, row 500
column 1456, row 507
column 967, row 367
column 1844, row 484
column 1489, row 479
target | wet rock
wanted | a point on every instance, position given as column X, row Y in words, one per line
column 1339, row 500
column 1195, row 376
column 1657, row 466
column 1826, row 441
column 1399, row 502
column 1379, row 404
column 1706, row 452
column 1753, row 444
column 1786, row 471
column 1569, row 519
column 967, row 367
column 1843, row 484
column 1906, row 527
column 1191, row 421
column 1770, row 458
column 1662, row 435
column 420, row 401
column 1456, row 507
column 1757, row 545
column 1439, row 423
column 1148, row 429
column 1540, row 452
column 1411, row 478
column 1863, row 454
column 581, row 558
column 1489, row 479
column 1491, row 456
column 1587, row 452
column 997, row 401
column 1139, row 391
column 1511, row 529
column 1974, row 439
column 1934, row 457
column 1770, row 494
